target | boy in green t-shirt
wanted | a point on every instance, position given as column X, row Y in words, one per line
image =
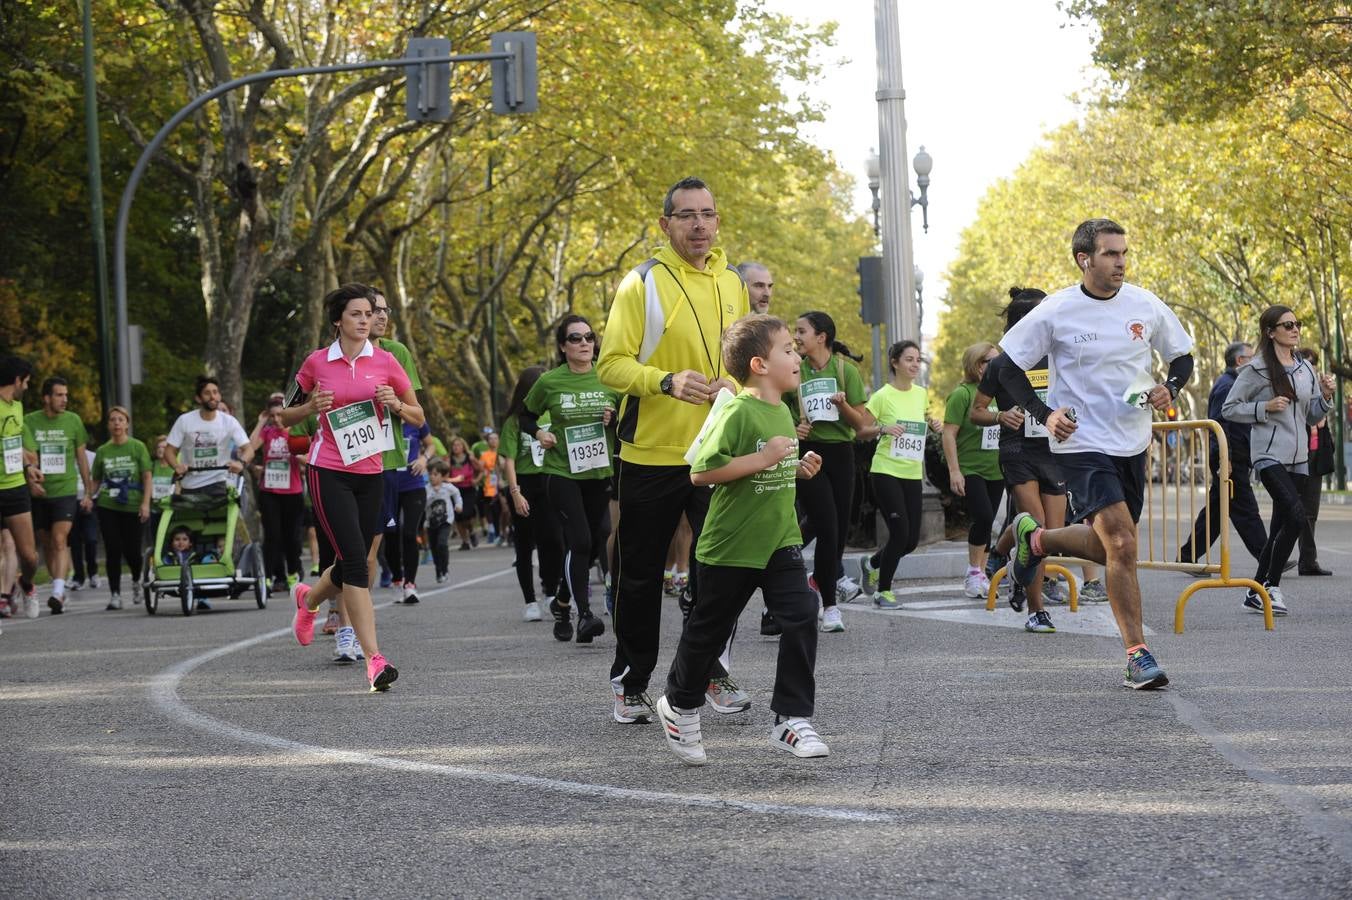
column 750, row 540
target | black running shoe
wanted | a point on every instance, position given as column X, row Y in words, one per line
column 769, row 627
column 563, row 620
column 1018, row 596
column 589, row 627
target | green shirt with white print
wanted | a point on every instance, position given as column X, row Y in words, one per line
column 752, row 517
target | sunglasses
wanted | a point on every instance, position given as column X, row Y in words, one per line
column 1290, row 326
column 578, row 337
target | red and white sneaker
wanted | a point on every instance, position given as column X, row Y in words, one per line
column 799, row 738
column 303, row 624
column 380, row 673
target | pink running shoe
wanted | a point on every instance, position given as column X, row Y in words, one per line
column 303, row 625
column 380, row 673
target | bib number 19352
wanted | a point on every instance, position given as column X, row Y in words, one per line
column 586, row 447
column 910, row 444
column 356, row 431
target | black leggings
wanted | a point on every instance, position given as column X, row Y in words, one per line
column 826, row 504
column 537, row 531
column 899, row 500
column 580, row 506
column 1288, row 520
column 281, row 515
column 401, row 542
column 121, row 540
column 347, row 511
column 983, row 499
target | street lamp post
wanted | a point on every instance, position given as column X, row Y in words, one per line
column 919, row 295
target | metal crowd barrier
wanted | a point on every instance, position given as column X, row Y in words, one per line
column 1180, row 454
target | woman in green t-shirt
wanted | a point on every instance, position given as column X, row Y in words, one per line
column 898, row 412
column 533, row 525
column 576, row 464
column 828, row 407
column 973, row 456
column 122, row 472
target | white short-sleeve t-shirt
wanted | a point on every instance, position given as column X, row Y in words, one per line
column 1100, row 355
column 202, row 443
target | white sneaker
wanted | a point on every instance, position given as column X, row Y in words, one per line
column 847, row 589
column 532, row 612
column 799, row 738
column 410, row 592
column 30, row 604
column 114, row 602
column 94, row 582
column 1278, row 602
column 831, row 620
column 344, row 647
column 975, row 585
column 682, row 732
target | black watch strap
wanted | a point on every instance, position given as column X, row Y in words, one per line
column 667, row 381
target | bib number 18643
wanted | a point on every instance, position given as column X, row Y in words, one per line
column 910, row 444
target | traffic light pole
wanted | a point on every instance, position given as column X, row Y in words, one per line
column 129, row 193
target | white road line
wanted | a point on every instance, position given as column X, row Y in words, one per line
column 163, row 693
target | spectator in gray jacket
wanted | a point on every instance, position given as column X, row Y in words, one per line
column 1281, row 395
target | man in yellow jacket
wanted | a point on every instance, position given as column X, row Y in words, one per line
column 663, row 352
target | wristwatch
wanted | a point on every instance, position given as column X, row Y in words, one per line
column 667, row 382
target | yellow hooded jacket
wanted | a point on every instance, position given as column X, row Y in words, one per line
column 667, row 316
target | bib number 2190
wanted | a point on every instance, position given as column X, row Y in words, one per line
column 356, row 431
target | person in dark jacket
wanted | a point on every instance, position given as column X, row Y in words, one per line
column 1321, row 464
column 1243, row 505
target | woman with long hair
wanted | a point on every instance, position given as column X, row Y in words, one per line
column 352, row 386
column 281, row 503
column 829, row 407
column 464, row 474
column 973, row 455
column 122, row 471
column 533, row 523
column 576, row 463
column 1280, row 395
column 897, row 413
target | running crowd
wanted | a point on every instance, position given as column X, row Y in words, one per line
column 721, row 438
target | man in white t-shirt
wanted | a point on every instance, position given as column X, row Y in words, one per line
column 206, row 437
column 1100, row 336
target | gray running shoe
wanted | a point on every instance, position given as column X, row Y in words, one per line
column 726, row 697
column 1093, row 592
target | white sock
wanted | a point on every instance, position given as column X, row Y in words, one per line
column 58, row 587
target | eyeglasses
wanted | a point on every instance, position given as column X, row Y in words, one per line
column 578, row 337
column 687, row 216
column 1293, row 325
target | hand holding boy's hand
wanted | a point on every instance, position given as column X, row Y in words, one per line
column 809, row 465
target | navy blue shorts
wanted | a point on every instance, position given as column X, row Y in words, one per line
column 1097, row 480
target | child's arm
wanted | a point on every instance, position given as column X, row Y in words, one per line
column 772, row 453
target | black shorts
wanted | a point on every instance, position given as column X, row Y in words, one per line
column 50, row 510
column 1097, row 480
column 1021, row 468
column 469, row 504
column 15, row 501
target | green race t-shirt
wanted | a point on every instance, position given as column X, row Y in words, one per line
column 750, row 518
column 118, row 470
column 12, row 442
column 398, row 457
column 161, row 481
column 812, row 401
column 978, row 447
column 900, row 457
column 524, row 449
column 576, row 403
column 55, row 439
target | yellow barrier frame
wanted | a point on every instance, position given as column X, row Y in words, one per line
column 1173, row 462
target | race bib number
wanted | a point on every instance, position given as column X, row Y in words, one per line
column 1032, row 427
column 13, row 447
column 990, row 437
column 537, row 450
column 277, row 475
column 586, row 447
column 356, row 431
column 203, row 457
column 161, row 487
column 817, row 403
column 52, row 459
column 910, row 444
column 387, row 431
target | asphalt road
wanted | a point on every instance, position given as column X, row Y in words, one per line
column 210, row 756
